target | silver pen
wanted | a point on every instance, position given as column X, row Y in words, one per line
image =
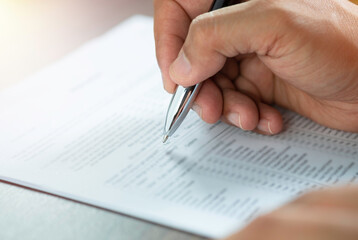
column 183, row 98
column 179, row 107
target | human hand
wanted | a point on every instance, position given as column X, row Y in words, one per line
column 298, row 54
column 322, row 215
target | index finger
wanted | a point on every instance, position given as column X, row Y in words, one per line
column 172, row 19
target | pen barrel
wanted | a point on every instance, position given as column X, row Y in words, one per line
column 180, row 105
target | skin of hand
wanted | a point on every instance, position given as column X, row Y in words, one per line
column 302, row 55
column 330, row 214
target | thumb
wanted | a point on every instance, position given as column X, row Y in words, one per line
column 214, row 36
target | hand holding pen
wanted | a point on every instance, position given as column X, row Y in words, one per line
column 258, row 53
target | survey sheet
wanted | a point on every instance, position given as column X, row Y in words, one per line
column 89, row 128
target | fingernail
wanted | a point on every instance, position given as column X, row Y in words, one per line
column 197, row 109
column 180, row 66
column 234, row 118
column 265, row 126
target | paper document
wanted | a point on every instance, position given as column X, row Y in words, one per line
column 90, row 128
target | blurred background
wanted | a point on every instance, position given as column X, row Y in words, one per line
column 34, row 33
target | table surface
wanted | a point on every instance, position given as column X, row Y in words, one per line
column 35, row 33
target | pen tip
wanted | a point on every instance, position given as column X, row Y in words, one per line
column 165, row 138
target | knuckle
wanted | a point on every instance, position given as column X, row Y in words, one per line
column 198, row 26
column 278, row 15
column 276, row 11
column 201, row 19
column 202, row 28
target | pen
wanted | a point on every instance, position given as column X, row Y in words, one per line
column 183, row 98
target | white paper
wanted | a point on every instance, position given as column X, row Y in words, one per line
column 90, row 128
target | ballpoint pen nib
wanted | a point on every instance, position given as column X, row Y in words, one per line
column 165, row 138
